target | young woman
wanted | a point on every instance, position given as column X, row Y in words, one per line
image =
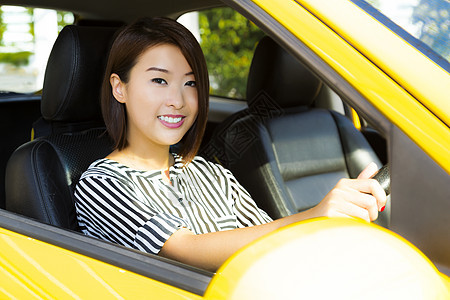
column 155, row 94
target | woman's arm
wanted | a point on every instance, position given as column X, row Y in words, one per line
column 361, row 198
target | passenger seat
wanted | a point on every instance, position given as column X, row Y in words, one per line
column 41, row 175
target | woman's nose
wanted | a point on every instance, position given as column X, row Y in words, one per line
column 175, row 98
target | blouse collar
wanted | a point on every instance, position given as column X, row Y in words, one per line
column 178, row 165
column 174, row 170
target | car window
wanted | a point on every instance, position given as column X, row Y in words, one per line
column 26, row 39
column 425, row 24
column 228, row 40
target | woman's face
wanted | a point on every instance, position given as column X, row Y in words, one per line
column 160, row 97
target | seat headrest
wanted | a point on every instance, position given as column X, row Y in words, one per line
column 74, row 74
column 281, row 76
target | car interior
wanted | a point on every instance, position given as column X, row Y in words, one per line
column 69, row 135
column 41, row 174
column 257, row 144
column 288, row 143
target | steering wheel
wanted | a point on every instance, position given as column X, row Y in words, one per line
column 383, row 176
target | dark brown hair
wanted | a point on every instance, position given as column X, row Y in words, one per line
column 131, row 42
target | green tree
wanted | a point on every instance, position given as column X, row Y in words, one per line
column 228, row 41
column 30, row 12
column 2, row 27
column 434, row 18
column 17, row 59
column 64, row 18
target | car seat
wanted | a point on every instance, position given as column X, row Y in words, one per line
column 41, row 174
column 285, row 152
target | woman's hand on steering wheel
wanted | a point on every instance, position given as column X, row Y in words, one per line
column 363, row 197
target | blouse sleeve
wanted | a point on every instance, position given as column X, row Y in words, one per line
column 109, row 209
column 244, row 207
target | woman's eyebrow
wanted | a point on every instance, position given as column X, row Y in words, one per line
column 166, row 71
column 157, row 69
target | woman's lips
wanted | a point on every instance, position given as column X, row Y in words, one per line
column 172, row 121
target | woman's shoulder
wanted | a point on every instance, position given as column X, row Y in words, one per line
column 105, row 168
column 200, row 163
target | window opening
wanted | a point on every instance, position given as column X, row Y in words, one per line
column 26, row 39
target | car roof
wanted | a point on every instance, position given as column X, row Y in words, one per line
column 111, row 10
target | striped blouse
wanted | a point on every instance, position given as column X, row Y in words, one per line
column 139, row 210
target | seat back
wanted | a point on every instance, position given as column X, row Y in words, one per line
column 287, row 153
column 17, row 114
column 41, row 175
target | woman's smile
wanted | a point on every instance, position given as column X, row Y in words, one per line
column 171, row 121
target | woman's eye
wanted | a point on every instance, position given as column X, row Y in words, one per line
column 191, row 83
column 159, row 81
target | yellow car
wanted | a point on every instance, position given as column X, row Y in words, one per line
column 380, row 70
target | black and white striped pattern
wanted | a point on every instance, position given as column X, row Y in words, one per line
column 138, row 209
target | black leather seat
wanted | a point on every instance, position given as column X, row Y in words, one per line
column 287, row 153
column 41, row 175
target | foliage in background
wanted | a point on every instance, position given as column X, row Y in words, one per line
column 22, row 58
column 31, row 24
column 16, row 59
column 64, row 18
column 2, row 26
column 434, row 18
column 228, row 41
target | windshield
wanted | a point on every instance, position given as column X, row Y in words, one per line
column 425, row 24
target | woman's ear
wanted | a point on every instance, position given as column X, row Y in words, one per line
column 118, row 88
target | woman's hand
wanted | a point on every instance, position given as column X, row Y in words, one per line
column 362, row 197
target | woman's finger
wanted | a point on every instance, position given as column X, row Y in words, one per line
column 368, row 171
column 349, row 209
column 366, row 186
column 366, row 202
